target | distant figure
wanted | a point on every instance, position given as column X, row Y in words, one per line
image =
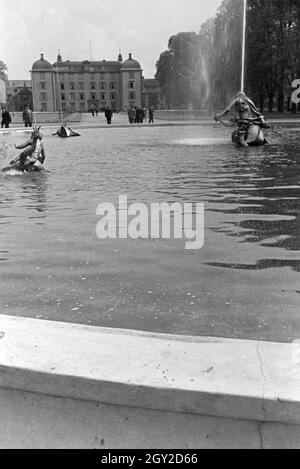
column 145, row 114
column 6, row 118
column 93, row 109
column 27, row 116
column 97, row 111
column 108, row 115
column 151, row 115
column 131, row 115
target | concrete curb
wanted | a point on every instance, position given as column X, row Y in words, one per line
column 233, row 379
column 275, row 123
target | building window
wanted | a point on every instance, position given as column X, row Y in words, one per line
column 132, row 95
column 93, row 86
column 72, row 97
column 81, row 97
column 103, row 85
column 112, row 96
column 63, row 97
column 93, row 96
column 81, row 85
column 112, row 85
column 103, row 97
column 43, row 85
column 131, row 85
column 62, row 86
column 72, row 86
column 44, row 107
column 43, row 96
column 42, row 76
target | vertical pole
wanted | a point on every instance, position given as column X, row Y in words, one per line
column 59, row 94
column 244, row 46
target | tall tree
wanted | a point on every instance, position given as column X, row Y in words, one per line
column 205, row 68
column 3, row 69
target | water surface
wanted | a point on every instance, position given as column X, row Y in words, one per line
column 244, row 283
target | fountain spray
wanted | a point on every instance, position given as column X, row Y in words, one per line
column 244, row 47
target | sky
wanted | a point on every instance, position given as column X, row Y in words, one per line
column 142, row 27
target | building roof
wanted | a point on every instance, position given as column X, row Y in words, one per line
column 94, row 66
column 131, row 63
column 86, row 65
column 42, row 64
column 20, row 83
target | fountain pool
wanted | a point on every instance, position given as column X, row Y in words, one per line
column 243, row 284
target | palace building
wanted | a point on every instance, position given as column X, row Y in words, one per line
column 78, row 86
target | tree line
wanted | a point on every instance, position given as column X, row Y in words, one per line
column 203, row 70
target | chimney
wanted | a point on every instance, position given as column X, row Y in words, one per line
column 130, row 56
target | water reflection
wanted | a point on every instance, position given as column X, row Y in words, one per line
column 28, row 191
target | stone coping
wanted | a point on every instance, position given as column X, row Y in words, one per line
column 237, row 379
column 275, row 123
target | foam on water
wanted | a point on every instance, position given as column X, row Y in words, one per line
column 12, row 172
column 202, row 141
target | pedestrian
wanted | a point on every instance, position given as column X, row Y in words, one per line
column 27, row 116
column 145, row 114
column 108, row 115
column 6, row 118
column 131, row 115
column 97, row 111
column 151, row 115
column 137, row 115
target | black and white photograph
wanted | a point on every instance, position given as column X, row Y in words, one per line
column 149, row 227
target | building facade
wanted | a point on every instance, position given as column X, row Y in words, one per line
column 19, row 95
column 152, row 94
column 79, row 86
column 2, row 90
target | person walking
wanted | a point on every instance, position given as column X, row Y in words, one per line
column 108, row 115
column 6, row 118
column 131, row 115
column 27, row 116
column 93, row 109
column 151, row 115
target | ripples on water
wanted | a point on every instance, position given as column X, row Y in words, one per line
column 244, row 283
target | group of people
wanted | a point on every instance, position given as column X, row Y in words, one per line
column 6, row 118
column 137, row 115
